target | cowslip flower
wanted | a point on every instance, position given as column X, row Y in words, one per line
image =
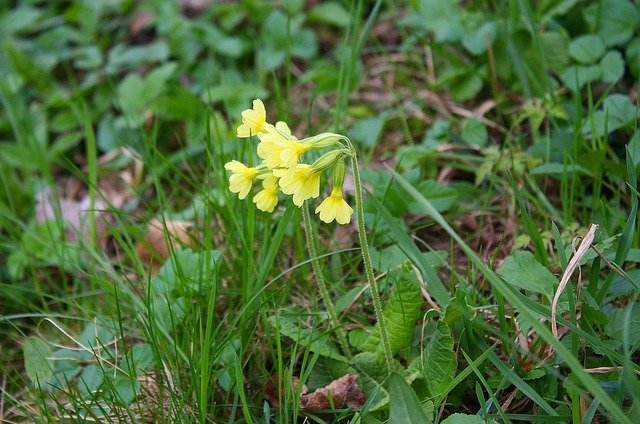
column 303, row 182
column 335, row 207
column 241, row 178
column 273, row 142
column 253, row 120
column 267, row 199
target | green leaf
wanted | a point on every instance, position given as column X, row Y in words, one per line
column 313, row 340
column 576, row 77
column 623, row 320
column 400, row 315
column 442, row 196
column 186, row 269
column 466, row 87
column 587, row 49
column 617, row 111
column 404, row 405
column 37, row 360
column 439, row 362
column 325, row 371
column 330, row 12
column 612, row 65
column 632, row 54
column 443, row 18
column 520, row 269
column 367, row 131
column 554, row 46
column 476, row 42
column 372, row 373
column 618, row 21
column 474, row 132
column 463, row 419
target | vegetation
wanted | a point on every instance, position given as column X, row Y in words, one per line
column 474, row 163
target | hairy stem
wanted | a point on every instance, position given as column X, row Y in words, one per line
column 366, row 257
column 322, row 284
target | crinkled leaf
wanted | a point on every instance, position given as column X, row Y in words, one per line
column 372, row 372
column 400, row 315
column 404, row 405
column 439, row 361
column 623, row 320
column 520, row 269
column 313, row 340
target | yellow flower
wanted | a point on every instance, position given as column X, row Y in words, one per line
column 273, row 142
column 291, row 152
column 335, row 207
column 302, row 182
column 253, row 120
column 267, row 199
column 242, row 178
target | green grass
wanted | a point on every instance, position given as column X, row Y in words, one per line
column 229, row 325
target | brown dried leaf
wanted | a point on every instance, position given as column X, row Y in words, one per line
column 340, row 393
column 271, row 392
column 75, row 215
column 153, row 249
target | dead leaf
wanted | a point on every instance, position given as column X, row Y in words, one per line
column 75, row 214
column 340, row 393
column 271, row 392
column 153, row 249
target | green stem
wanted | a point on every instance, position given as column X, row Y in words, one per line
column 364, row 247
column 324, row 291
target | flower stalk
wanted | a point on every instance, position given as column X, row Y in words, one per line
column 366, row 257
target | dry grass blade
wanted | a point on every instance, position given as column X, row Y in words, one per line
column 573, row 264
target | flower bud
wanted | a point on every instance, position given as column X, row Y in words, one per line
column 323, row 140
column 339, row 172
column 327, row 160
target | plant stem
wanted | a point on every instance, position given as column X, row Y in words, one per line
column 364, row 247
column 324, row 291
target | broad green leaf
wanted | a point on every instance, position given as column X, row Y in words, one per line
column 520, row 269
column 404, row 405
column 624, row 319
column 632, row 54
column 443, row 18
column 185, row 270
column 313, row 340
column 612, row 65
column 442, row 196
column 617, row 111
column 37, row 360
column 618, row 21
column 367, row 131
column 587, row 49
column 554, row 45
column 330, row 12
column 90, row 379
column 439, row 361
column 372, row 373
column 474, row 132
column 576, row 77
column 400, row 315
column 476, row 42
column 463, row 419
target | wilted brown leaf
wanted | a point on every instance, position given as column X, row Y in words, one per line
column 340, row 393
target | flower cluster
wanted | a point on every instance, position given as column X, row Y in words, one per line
column 281, row 169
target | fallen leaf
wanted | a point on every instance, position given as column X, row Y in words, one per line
column 340, row 393
column 271, row 392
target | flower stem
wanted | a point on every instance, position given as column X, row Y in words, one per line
column 324, row 291
column 364, row 247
